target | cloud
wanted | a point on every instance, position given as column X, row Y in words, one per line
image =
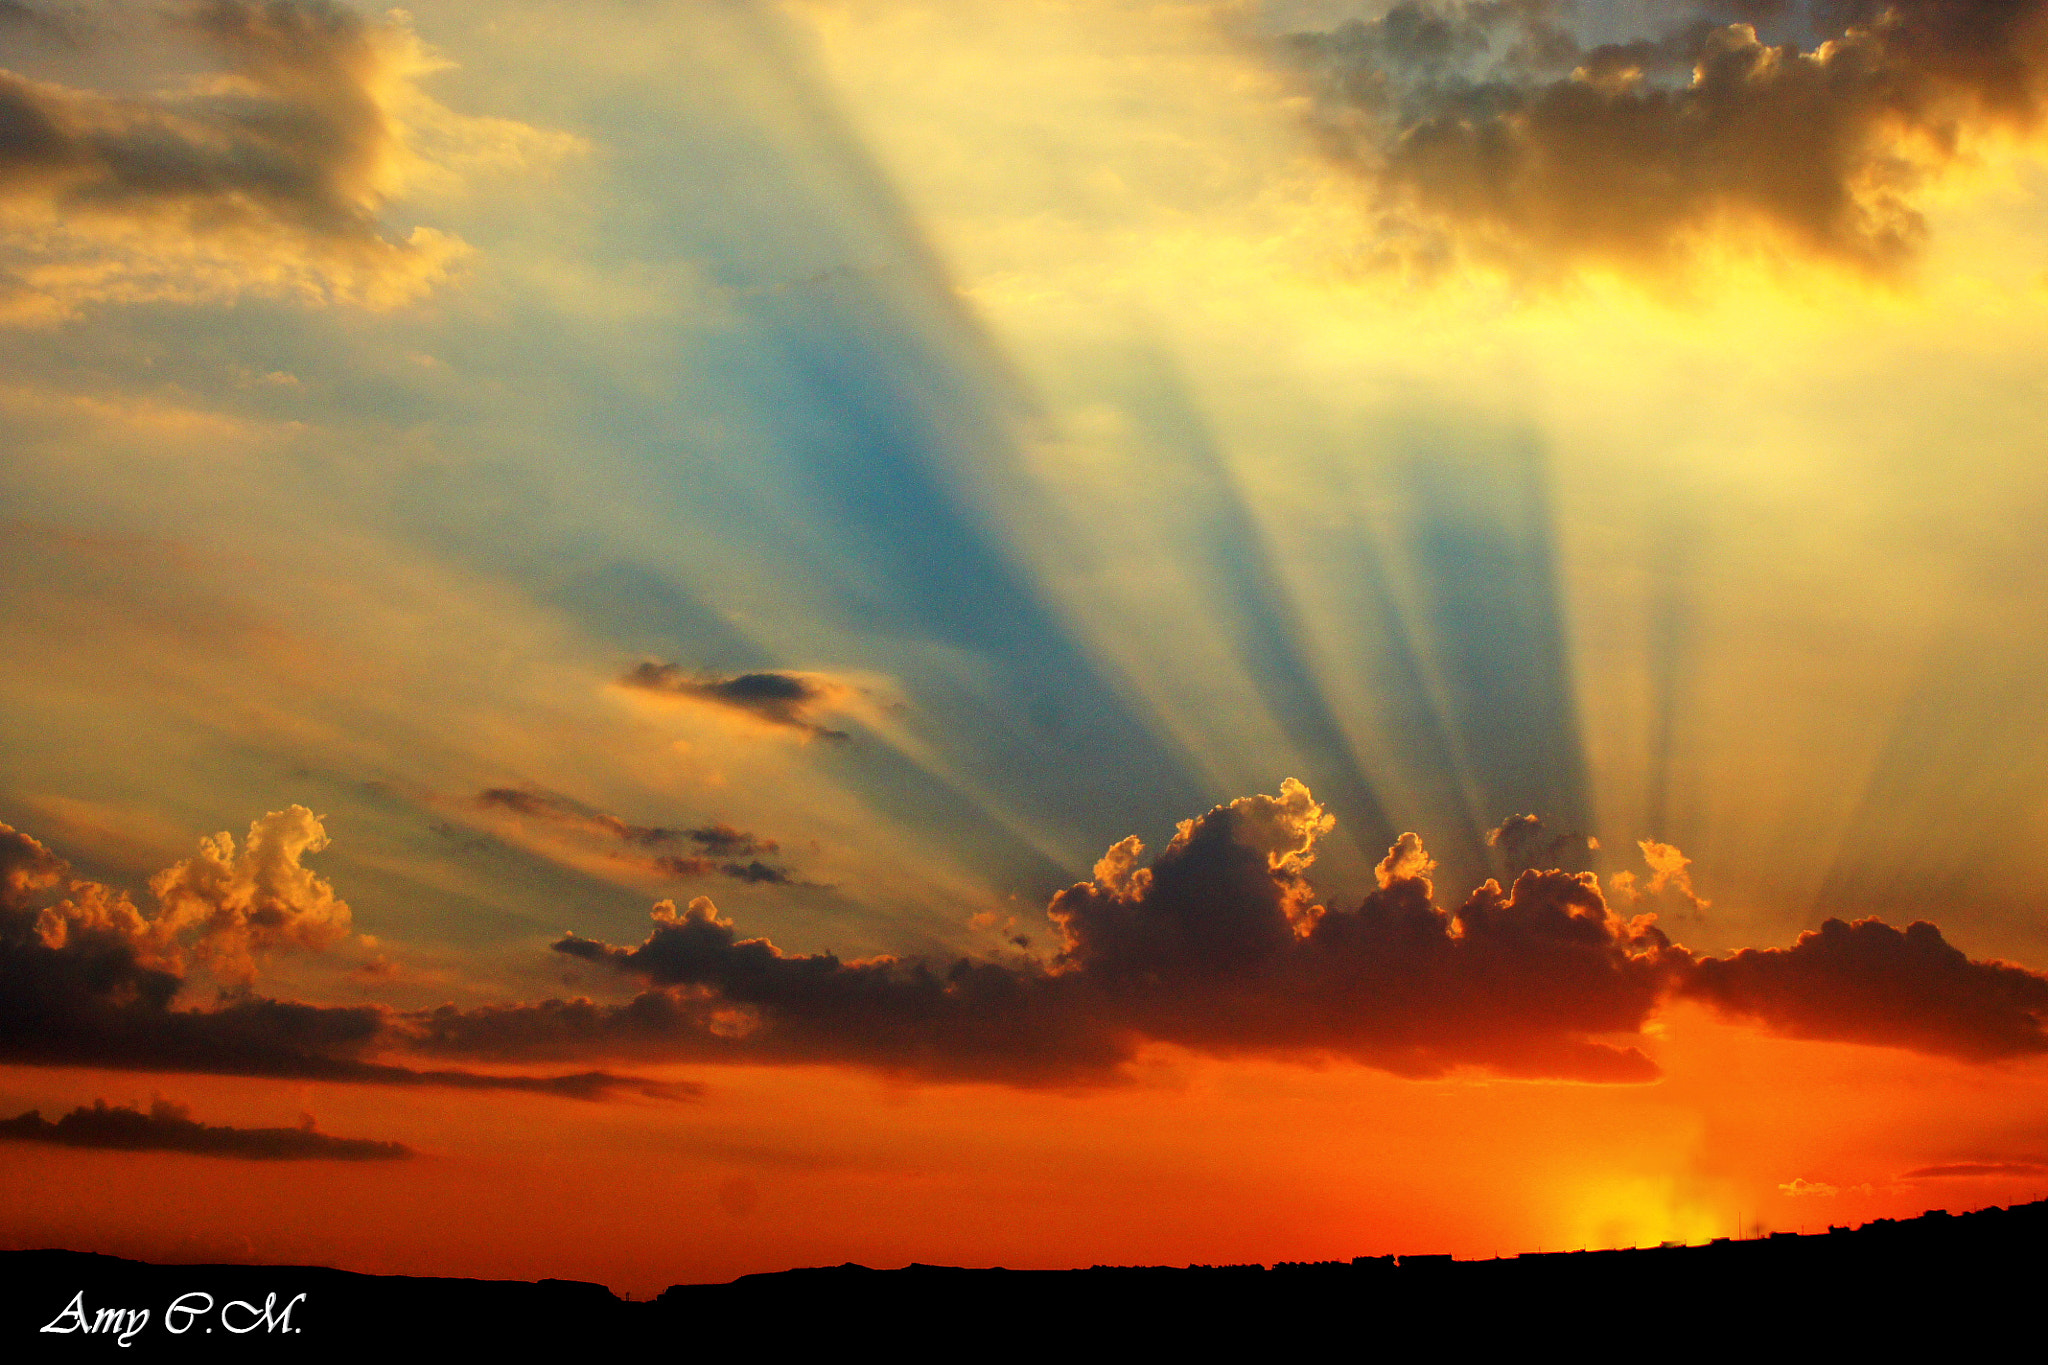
column 1219, row 945
column 783, row 700
column 266, row 174
column 1486, row 126
column 716, row 838
column 26, row 866
column 91, row 981
column 222, row 905
column 1867, row 982
column 1526, row 843
column 1670, row 870
column 169, row 1127
column 720, row 847
column 755, row 872
column 1513, row 830
column 261, row 898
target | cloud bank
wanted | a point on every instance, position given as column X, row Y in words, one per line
column 1219, row 944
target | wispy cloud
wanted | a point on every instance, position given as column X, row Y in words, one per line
column 718, row 848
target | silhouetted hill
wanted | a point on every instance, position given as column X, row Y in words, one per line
column 1934, row 1281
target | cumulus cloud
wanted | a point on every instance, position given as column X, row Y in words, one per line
column 26, row 866
column 91, row 981
column 1867, row 982
column 222, row 906
column 1488, row 126
column 260, row 898
column 1219, row 944
column 264, row 174
column 1525, row 842
column 168, row 1127
column 784, row 700
column 716, row 849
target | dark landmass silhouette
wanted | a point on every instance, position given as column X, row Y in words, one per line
column 1936, row 1281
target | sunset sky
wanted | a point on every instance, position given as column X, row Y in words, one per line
column 646, row 641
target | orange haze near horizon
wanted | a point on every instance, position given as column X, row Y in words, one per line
column 1194, row 1161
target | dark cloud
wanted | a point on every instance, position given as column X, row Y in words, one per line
column 1218, row 945
column 780, row 699
column 1867, row 982
column 91, row 981
column 1513, row 830
column 169, row 1127
column 720, row 847
column 1487, row 125
column 1524, row 842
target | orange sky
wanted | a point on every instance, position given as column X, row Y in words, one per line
column 1194, row 1161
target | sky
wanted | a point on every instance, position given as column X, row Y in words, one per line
column 647, row 641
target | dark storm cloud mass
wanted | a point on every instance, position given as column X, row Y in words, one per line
column 169, row 1127
column 719, row 849
column 780, row 699
column 1489, row 122
column 89, row 981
